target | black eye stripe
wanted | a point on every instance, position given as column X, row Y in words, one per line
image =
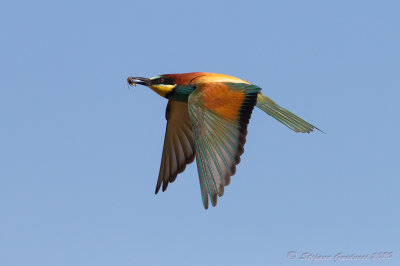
column 165, row 81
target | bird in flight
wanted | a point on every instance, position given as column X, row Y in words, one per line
column 207, row 116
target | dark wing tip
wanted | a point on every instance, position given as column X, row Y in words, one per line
column 205, row 203
column 214, row 200
column 157, row 188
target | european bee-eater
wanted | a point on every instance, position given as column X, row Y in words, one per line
column 207, row 116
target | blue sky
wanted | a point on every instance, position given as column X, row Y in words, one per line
column 80, row 153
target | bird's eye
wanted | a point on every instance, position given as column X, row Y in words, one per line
column 161, row 80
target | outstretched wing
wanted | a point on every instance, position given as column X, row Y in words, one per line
column 178, row 148
column 220, row 113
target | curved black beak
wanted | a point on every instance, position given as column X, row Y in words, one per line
column 138, row 80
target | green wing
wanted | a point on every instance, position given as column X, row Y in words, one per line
column 220, row 113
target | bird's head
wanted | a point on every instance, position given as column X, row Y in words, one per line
column 165, row 84
column 160, row 84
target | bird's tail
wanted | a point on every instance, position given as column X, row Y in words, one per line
column 284, row 116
